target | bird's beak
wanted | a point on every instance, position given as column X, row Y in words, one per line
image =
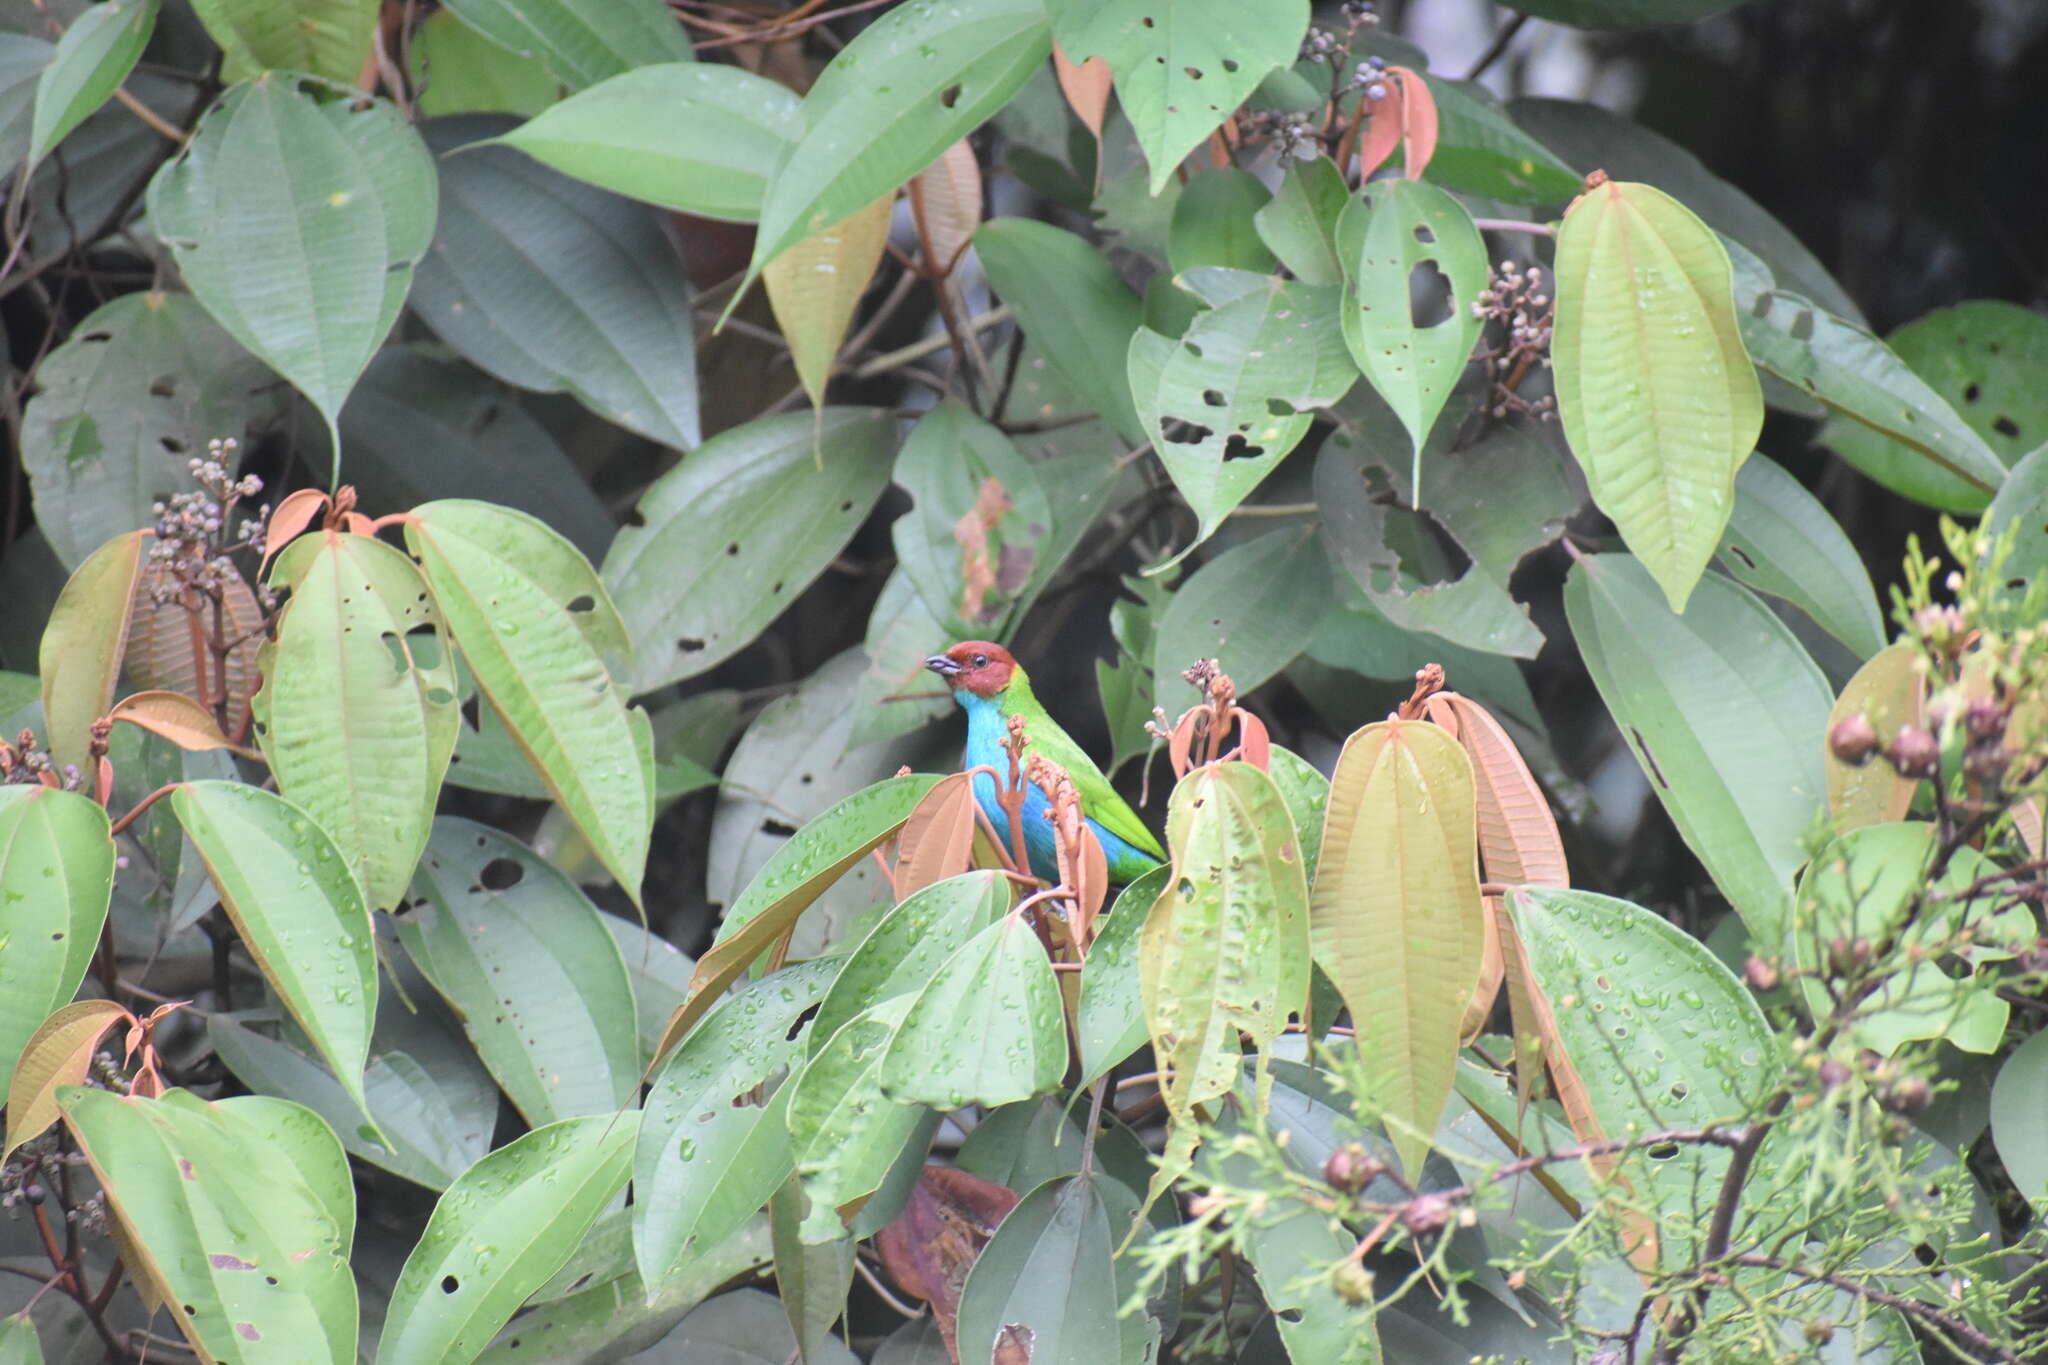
column 941, row 665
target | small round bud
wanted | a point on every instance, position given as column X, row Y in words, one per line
column 1914, row 753
column 1833, row 1073
column 1351, row 1168
column 1853, row 740
column 32, row 1192
column 1820, row 1332
column 1376, row 91
column 1761, row 975
column 1908, row 1095
column 1986, row 762
column 1985, row 718
column 1425, row 1214
column 1353, row 1282
column 1847, row 955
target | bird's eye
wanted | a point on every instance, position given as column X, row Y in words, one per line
column 981, row 661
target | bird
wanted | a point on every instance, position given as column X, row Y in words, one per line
column 991, row 688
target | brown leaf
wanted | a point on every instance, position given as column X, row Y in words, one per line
column 1405, row 117
column 293, row 515
column 1015, row 1343
column 1086, row 87
column 1518, row 838
column 816, row 286
column 169, row 650
column 937, row 841
column 1418, row 122
column 2026, row 817
column 174, row 716
column 933, row 1243
column 945, row 201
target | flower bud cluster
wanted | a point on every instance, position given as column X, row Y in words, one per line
column 1518, row 301
column 1293, row 134
column 197, row 531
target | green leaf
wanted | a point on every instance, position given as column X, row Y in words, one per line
column 793, row 877
column 1252, row 608
column 815, row 289
column 459, row 71
column 299, row 911
column 1781, row 541
column 2019, row 1117
column 1227, row 401
column 325, row 38
column 22, row 60
column 693, row 137
column 1655, row 393
column 1889, row 691
column 910, row 85
column 83, row 641
column 845, row 1131
column 1395, row 239
column 1181, row 66
column 532, row 619
column 729, row 537
column 94, row 56
column 581, row 41
column 357, row 714
column 242, row 1210
column 909, row 944
column 498, row 1234
column 742, row 1327
column 1480, row 150
column 56, row 880
column 415, row 397
column 708, row 1156
column 1981, row 360
column 1213, row 223
column 18, row 1342
column 525, row 959
column 986, row 1029
column 1046, row 1282
column 559, row 287
column 901, row 629
column 1661, row 1034
column 1725, row 712
column 946, row 465
column 1074, row 307
column 136, row 391
column 1299, row 225
column 334, row 206
column 1109, row 1021
column 1915, row 443
column 1396, row 914
column 2022, row 507
column 1865, row 885
column 811, row 1281
column 1225, row 949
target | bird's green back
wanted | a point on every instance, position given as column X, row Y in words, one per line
column 1099, row 800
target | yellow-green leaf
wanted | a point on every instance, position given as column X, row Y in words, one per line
column 816, row 285
column 1396, row 914
column 1658, row 398
column 82, row 646
column 1889, row 692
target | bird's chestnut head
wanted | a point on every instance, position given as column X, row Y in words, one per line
column 976, row 666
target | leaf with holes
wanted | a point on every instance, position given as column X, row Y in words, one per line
column 986, row 1029
column 1181, row 66
column 534, row 622
column 727, row 538
column 525, row 959
column 83, row 641
column 96, row 53
column 794, row 876
column 559, row 287
column 1396, row 914
column 844, row 1129
column 1780, row 540
column 357, row 714
column 1224, row 951
column 1074, row 307
column 1655, row 392
column 1252, row 608
column 709, row 1156
column 689, row 136
column 165, row 653
column 241, row 1212
column 327, row 38
column 889, row 104
column 815, row 288
column 1413, row 266
column 500, row 1232
column 299, row 911
column 581, row 41
column 335, row 207
column 1725, row 712
column 1226, row 402
column 1661, row 1032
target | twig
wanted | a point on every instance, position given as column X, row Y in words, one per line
column 1095, row 1099
column 156, row 122
column 1514, row 225
column 918, row 350
column 1926, row 1313
column 140, row 806
column 1497, row 47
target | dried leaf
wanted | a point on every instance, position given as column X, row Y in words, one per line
column 945, row 200
column 933, row 1243
column 1086, row 87
column 1518, row 838
column 815, row 288
column 937, row 841
column 174, row 716
column 2027, row 815
column 978, row 569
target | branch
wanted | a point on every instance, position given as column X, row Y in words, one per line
column 1913, row 1308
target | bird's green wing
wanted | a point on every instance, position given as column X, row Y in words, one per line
column 1099, row 800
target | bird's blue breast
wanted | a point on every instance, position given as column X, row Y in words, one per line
column 986, row 730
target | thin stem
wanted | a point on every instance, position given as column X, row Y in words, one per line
column 1514, row 225
column 140, row 806
column 156, row 122
column 1926, row 1313
column 918, row 350
column 1274, row 509
column 1095, row 1099
column 1497, row 47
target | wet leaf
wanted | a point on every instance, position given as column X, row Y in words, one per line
column 533, row 620
column 937, row 840
column 1109, row 1020
column 1724, row 711
column 498, row 1234
column 1393, row 239
column 299, row 911
column 98, row 50
column 335, row 207
column 986, row 1029
column 729, row 537
column 695, row 137
column 581, row 41
column 242, row 1211
column 710, row 1154
column 910, row 943
column 1181, row 69
column 1781, row 541
column 1654, row 389
column 846, row 1133
column 816, row 286
column 526, row 960
column 83, row 642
